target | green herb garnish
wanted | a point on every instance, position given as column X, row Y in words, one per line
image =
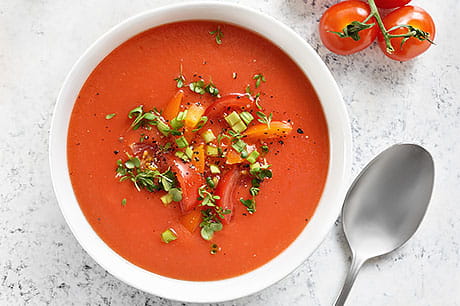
column 123, row 202
column 248, row 90
column 257, row 101
column 264, row 118
column 212, row 89
column 259, row 78
column 254, row 191
column 218, row 34
column 207, row 198
column 180, row 80
column 197, row 87
column 250, row 205
column 200, row 87
column 211, row 222
column 110, row 116
column 200, row 124
column 152, row 180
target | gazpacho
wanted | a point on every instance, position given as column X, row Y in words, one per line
column 198, row 150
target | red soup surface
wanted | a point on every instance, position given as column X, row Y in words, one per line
column 141, row 71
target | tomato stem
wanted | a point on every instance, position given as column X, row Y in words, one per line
column 376, row 15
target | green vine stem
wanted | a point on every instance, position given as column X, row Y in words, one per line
column 386, row 35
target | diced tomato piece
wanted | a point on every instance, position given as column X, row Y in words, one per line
column 262, row 131
column 226, row 191
column 172, row 108
column 140, row 147
column 198, row 158
column 192, row 220
column 230, row 102
column 189, row 181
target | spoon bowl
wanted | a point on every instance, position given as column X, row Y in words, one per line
column 386, row 204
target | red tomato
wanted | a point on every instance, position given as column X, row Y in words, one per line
column 189, row 181
column 388, row 4
column 337, row 17
column 229, row 102
column 226, row 191
column 407, row 15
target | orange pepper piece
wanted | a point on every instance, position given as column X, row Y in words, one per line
column 262, row 131
column 198, row 158
column 234, row 157
column 192, row 220
column 194, row 114
column 172, row 108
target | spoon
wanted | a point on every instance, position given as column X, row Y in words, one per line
column 385, row 205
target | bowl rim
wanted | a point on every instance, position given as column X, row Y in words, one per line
column 331, row 200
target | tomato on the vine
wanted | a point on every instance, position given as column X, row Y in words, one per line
column 388, row 4
column 415, row 20
column 338, row 32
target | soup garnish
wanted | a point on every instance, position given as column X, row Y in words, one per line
column 201, row 153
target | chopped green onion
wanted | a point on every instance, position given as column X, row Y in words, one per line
column 264, row 149
column 212, row 151
column 181, row 116
column 214, row 169
column 208, row 136
column 178, row 122
column 181, row 142
column 110, row 116
column 189, row 152
column 182, row 156
column 233, row 118
column 239, row 146
column 163, row 128
column 123, row 202
column 166, row 199
column 239, row 127
column 235, row 122
column 244, row 154
column 247, row 117
column 252, row 158
column 168, row 235
column 254, row 168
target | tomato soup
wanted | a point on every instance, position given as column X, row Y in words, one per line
column 146, row 71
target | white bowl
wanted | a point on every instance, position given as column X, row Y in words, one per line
column 331, row 199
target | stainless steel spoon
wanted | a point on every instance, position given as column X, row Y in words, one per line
column 385, row 205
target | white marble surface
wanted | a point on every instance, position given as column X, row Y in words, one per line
column 388, row 102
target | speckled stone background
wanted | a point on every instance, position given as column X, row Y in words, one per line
column 388, row 102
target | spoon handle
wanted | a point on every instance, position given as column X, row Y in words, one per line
column 356, row 265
